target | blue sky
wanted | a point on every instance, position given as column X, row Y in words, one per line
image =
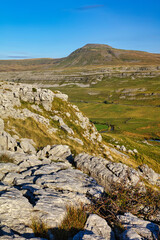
column 48, row 28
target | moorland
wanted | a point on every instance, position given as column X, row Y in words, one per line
column 119, row 90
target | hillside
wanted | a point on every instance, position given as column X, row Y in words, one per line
column 99, row 54
column 60, row 181
column 89, row 55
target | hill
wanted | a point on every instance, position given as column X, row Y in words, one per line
column 100, row 54
column 89, row 55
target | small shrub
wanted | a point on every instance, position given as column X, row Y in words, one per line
column 39, row 228
column 34, row 90
column 4, row 158
column 73, row 222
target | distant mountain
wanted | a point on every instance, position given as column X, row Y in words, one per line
column 100, row 54
column 89, row 55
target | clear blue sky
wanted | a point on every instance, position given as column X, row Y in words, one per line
column 48, row 28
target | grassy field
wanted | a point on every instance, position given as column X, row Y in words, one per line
column 126, row 111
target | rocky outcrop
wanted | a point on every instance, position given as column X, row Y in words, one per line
column 31, row 188
column 137, row 228
column 149, row 174
column 106, row 172
column 56, row 152
column 25, row 102
column 39, row 96
column 40, row 188
column 81, row 79
column 40, row 182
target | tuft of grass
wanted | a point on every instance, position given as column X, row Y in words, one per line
column 73, row 222
column 39, row 228
column 4, row 158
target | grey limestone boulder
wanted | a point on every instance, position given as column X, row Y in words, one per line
column 149, row 174
column 26, row 145
column 15, row 211
column 7, row 142
column 8, row 167
column 105, row 172
column 56, row 152
column 137, row 228
column 95, row 228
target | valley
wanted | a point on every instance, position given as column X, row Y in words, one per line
column 122, row 98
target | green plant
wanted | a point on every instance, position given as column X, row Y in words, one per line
column 4, row 158
column 34, row 90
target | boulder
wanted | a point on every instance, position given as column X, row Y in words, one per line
column 137, row 228
column 56, row 152
column 26, row 145
column 95, row 228
column 15, row 211
column 7, row 142
column 149, row 174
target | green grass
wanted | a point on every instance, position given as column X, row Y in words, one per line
column 135, row 117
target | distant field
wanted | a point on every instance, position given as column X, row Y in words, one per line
column 132, row 106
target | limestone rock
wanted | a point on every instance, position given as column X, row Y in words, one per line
column 149, row 174
column 8, row 167
column 76, row 140
column 27, row 146
column 1, row 125
column 106, row 172
column 95, row 228
column 137, row 228
column 56, row 152
column 15, row 211
column 7, row 142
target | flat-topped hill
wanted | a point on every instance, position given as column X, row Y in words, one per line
column 88, row 55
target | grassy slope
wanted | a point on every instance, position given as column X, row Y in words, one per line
column 134, row 117
column 38, row 132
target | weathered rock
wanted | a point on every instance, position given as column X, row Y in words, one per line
column 63, row 125
column 95, row 228
column 8, row 234
column 56, row 152
column 76, row 140
column 7, row 142
column 27, row 146
column 137, row 228
column 8, row 167
column 149, row 174
column 15, row 211
column 105, row 172
column 1, row 125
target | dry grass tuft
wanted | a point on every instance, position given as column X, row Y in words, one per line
column 4, row 158
column 73, row 222
column 39, row 228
